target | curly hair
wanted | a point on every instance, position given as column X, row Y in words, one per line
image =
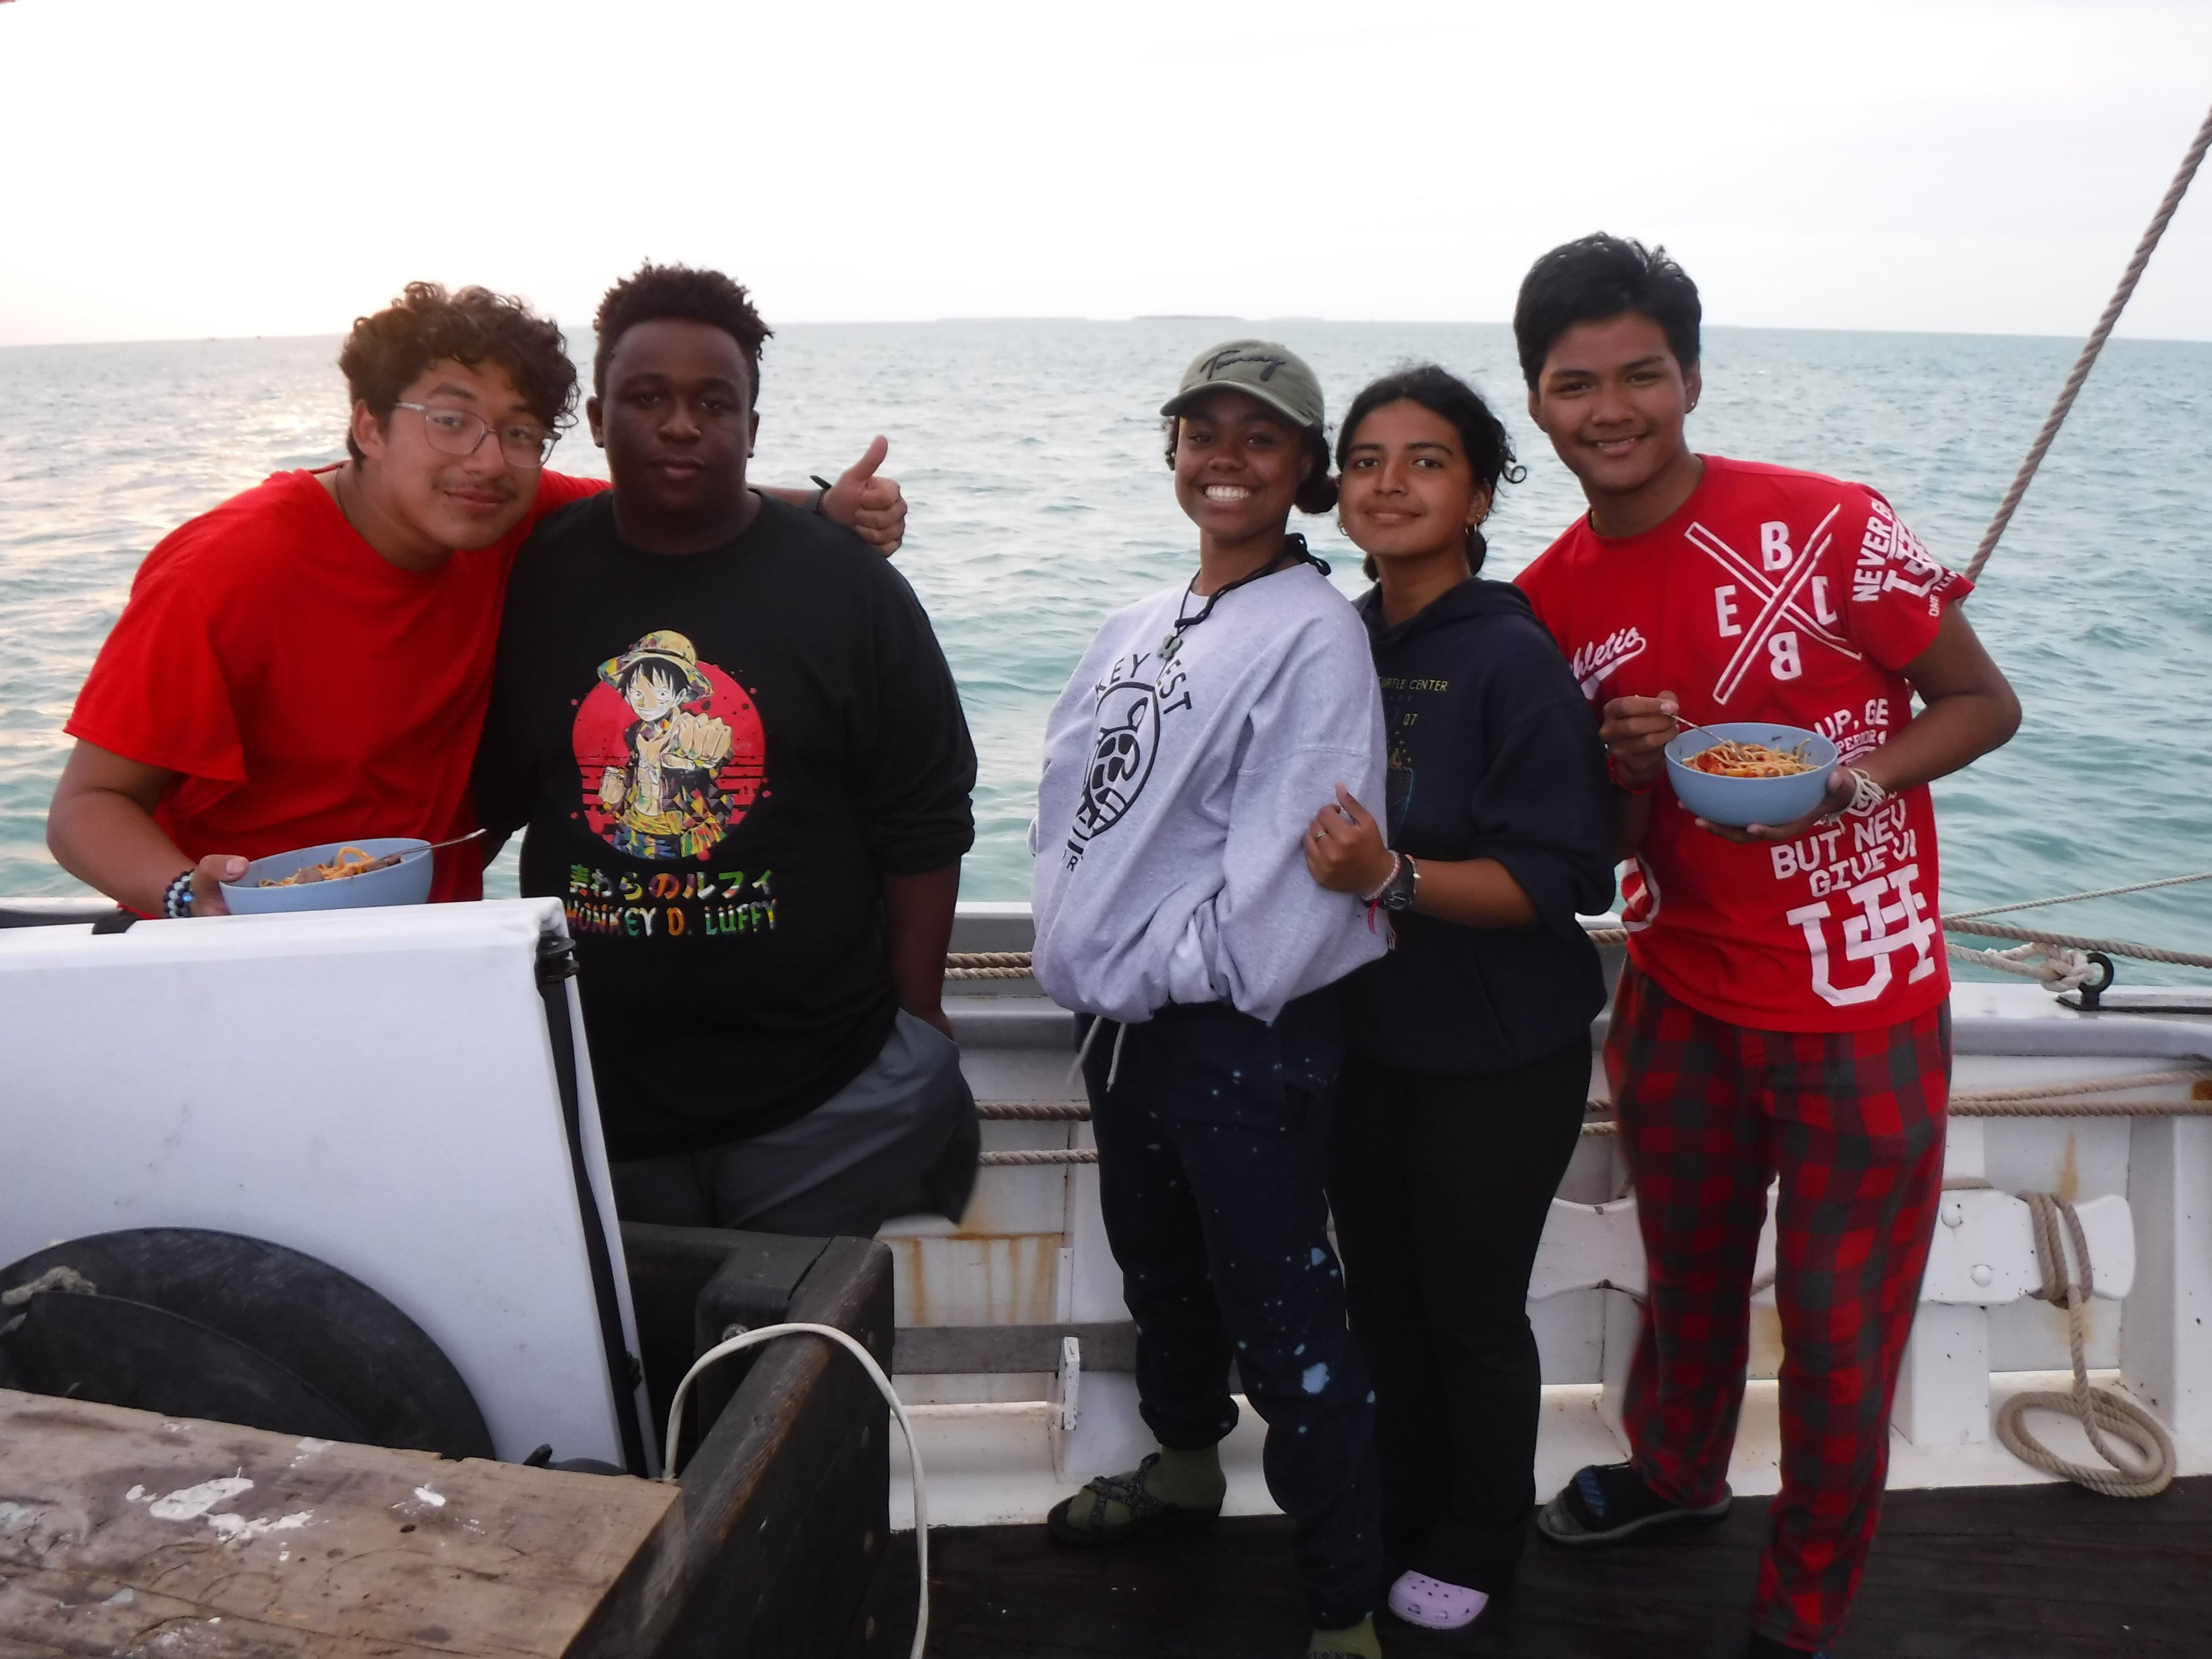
column 1316, row 490
column 387, row 350
column 1597, row 277
column 1481, row 434
column 654, row 291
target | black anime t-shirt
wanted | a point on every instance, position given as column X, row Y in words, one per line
column 718, row 758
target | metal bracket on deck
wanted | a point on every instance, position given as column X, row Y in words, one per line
column 1071, row 1381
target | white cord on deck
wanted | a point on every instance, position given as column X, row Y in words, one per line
column 770, row 1332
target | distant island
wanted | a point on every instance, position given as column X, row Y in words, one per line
column 1183, row 317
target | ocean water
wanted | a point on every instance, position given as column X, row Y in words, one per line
column 1032, row 461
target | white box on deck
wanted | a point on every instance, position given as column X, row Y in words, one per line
column 375, row 1088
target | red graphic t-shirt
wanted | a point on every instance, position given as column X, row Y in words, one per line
column 307, row 688
column 1776, row 595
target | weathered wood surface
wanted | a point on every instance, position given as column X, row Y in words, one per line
column 1991, row 1572
column 114, row 1542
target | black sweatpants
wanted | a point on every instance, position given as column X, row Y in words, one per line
column 1441, row 1187
column 1213, row 1146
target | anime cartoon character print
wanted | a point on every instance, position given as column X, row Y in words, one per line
column 670, row 750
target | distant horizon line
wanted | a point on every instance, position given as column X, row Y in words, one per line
column 1181, row 317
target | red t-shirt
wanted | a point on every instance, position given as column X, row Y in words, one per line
column 307, row 688
column 1783, row 595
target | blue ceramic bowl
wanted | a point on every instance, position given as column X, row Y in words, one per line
column 407, row 882
column 1739, row 801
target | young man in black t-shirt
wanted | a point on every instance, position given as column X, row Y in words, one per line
column 744, row 768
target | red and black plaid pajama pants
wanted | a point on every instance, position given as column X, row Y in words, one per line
column 1852, row 1122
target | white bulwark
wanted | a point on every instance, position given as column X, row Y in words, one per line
column 1002, row 1445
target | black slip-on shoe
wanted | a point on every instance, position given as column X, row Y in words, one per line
column 1149, row 1516
column 1609, row 1504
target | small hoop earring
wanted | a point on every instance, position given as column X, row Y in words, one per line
column 1341, row 530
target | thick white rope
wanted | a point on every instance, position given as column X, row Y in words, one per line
column 2086, row 1098
column 2174, row 192
column 768, row 1334
column 2057, row 966
column 2069, row 898
column 2055, row 969
column 2113, row 947
column 2128, row 1438
column 2099, row 1085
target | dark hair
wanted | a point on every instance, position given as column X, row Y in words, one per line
column 1316, row 490
column 388, row 350
column 1481, row 434
column 1600, row 276
column 655, row 670
column 653, row 292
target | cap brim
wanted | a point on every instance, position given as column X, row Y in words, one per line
column 1182, row 400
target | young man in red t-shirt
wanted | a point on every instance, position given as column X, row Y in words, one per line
column 310, row 661
column 1784, row 1008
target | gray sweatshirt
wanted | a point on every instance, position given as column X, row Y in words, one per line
column 1180, row 773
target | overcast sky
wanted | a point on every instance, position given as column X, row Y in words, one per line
column 231, row 168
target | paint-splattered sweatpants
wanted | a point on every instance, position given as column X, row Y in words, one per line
column 1212, row 1147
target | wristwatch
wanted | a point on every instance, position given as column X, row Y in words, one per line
column 1405, row 882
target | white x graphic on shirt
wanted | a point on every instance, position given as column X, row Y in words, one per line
column 1776, row 595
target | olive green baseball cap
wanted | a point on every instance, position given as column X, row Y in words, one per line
column 1273, row 373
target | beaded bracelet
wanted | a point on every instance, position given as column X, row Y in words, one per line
column 1866, row 794
column 177, row 899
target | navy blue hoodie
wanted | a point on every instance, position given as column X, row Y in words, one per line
column 1492, row 754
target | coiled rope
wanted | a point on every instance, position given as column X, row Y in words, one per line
column 2128, row 1438
column 2057, row 418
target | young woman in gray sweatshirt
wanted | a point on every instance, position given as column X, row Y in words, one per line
column 1200, row 734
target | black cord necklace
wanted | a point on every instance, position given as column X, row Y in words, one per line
column 1293, row 552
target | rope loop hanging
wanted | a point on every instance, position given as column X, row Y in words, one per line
column 2128, row 1438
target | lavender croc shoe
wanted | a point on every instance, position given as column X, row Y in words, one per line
column 1434, row 1605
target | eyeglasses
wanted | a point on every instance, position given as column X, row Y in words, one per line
column 457, row 432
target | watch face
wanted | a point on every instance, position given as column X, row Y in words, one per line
column 1400, row 894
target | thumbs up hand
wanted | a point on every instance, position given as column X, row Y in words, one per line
column 871, row 507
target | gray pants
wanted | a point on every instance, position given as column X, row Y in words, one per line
column 900, row 1138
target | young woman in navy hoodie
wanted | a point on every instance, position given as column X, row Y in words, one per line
column 1468, row 1046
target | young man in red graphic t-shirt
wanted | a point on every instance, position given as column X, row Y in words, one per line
column 1784, row 1008
column 310, row 661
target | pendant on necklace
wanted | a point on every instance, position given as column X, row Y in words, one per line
column 1171, row 643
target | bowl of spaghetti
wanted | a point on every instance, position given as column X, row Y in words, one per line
column 1745, row 772
column 339, row 875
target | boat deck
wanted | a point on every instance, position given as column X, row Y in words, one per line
column 2011, row 1573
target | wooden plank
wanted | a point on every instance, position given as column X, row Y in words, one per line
column 121, row 1531
column 945, row 1350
